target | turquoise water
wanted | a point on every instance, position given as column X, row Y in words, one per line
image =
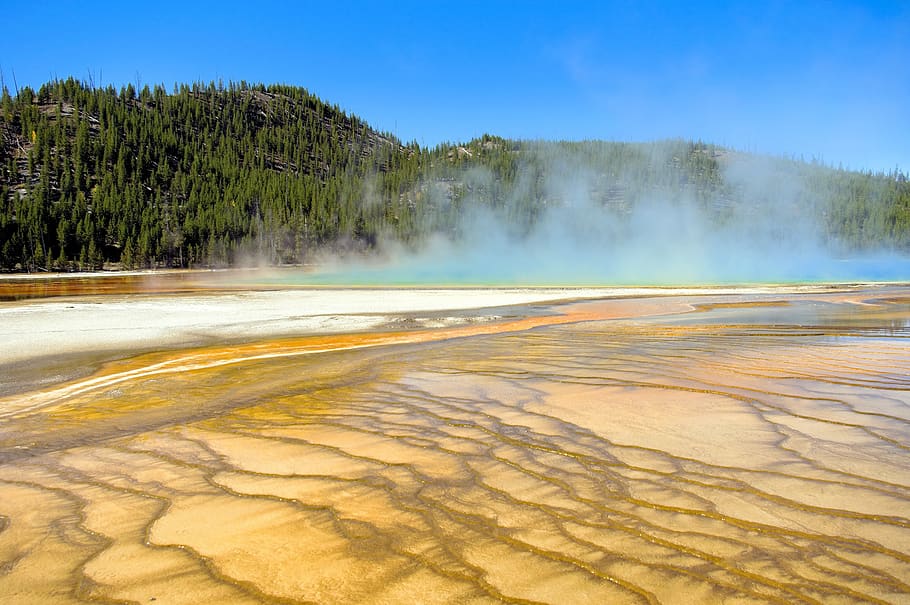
column 493, row 273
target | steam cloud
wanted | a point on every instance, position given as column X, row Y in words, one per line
column 770, row 233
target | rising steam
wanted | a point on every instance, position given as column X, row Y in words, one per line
column 762, row 226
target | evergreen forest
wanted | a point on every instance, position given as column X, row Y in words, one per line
column 211, row 175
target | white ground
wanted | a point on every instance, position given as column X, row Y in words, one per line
column 31, row 329
column 54, row 326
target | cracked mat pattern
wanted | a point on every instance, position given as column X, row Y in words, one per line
column 699, row 458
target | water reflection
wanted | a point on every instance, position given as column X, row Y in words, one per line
column 879, row 315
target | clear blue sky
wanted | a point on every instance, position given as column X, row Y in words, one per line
column 829, row 80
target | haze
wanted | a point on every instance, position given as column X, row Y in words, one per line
column 773, row 232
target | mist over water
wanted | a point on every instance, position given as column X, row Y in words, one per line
column 762, row 225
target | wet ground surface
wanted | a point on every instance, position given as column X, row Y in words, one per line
column 628, row 451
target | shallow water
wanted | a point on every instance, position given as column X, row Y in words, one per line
column 755, row 450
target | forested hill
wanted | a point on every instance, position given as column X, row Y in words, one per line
column 210, row 175
column 191, row 177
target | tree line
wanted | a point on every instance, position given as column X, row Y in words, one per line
column 212, row 175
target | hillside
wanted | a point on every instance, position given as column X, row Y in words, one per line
column 181, row 179
column 211, row 175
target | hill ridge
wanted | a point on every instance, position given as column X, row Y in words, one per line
column 208, row 175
